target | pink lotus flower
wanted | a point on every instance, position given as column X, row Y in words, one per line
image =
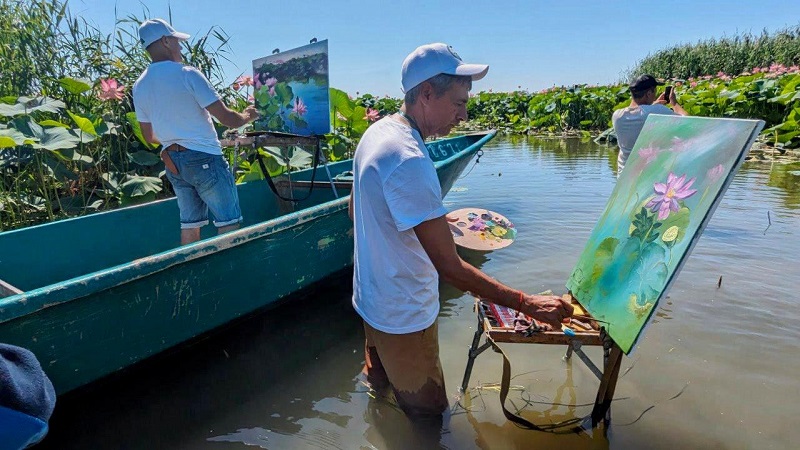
column 270, row 82
column 715, row 172
column 668, row 194
column 679, row 145
column 693, row 84
column 299, row 106
column 648, row 154
column 272, row 91
column 242, row 81
column 372, row 115
column 111, row 90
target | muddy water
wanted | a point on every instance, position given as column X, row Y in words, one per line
column 718, row 368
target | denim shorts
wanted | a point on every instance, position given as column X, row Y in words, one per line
column 204, row 182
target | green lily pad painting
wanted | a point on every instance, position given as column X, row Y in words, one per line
column 290, row 90
column 674, row 179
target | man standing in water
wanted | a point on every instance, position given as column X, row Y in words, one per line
column 628, row 121
column 402, row 239
column 172, row 103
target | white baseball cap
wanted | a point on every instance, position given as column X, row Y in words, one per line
column 154, row 29
column 430, row 60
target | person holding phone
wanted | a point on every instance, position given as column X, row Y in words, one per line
column 628, row 121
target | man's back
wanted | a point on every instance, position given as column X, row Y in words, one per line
column 628, row 123
column 173, row 97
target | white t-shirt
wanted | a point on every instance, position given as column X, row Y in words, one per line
column 628, row 123
column 173, row 97
column 395, row 188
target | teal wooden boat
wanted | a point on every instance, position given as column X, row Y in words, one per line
column 95, row 294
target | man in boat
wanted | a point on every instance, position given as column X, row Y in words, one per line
column 27, row 398
column 403, row 243
column 628, row 121
column 172, row 103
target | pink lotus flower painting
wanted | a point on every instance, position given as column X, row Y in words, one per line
column 668, row 194
column 677, row 173
column 291, row 91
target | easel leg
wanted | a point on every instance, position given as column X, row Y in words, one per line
column 474, row 351
column 602, row 405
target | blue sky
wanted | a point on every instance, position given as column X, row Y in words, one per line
column 533, row 44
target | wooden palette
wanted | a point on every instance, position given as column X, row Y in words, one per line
column 481, row 229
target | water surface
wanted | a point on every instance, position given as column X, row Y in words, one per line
column 289, row 378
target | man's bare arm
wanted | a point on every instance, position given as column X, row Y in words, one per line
column 231, row 118
column 436, row 239
column 350, row 206
column 147, row 133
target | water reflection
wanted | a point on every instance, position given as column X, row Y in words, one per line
column 787, row 178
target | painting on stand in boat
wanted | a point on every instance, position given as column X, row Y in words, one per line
column 291, row 91
column 676, row 175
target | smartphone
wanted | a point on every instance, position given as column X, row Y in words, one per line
column 667, row 92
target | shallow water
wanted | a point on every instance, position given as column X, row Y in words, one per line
column 288, row 378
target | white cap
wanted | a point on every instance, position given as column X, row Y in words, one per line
column 154, row 29
column 430, row 60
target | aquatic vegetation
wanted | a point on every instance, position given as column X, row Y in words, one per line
column 729, row 55
column 770, row 93
column 372, row 115
column 110, row 89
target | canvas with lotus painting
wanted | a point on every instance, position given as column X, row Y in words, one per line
column 291, row 92
column 676, row 175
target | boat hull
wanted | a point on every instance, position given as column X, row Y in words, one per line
column 92, row 325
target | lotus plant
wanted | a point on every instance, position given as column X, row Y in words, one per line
column 110, row 89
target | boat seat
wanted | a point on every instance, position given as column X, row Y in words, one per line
column 7, row 290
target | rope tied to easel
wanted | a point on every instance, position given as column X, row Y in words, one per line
column 570, row 426
column 268, row 177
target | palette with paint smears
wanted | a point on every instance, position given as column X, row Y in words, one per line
column 481, row 229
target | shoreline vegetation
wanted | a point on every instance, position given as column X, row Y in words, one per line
column 70, row 143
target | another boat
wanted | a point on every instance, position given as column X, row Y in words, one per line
column 95, row 294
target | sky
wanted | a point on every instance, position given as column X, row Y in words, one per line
column 531, row 45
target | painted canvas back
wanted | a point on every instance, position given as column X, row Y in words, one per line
column 676, row 175
column 291, row 91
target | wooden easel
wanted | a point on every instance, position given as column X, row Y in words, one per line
column 284, row 185
column 612, row 354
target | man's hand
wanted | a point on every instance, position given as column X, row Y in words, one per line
column 251, row 113
column 550, row 310
column 661, row 100
column 673, row 100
